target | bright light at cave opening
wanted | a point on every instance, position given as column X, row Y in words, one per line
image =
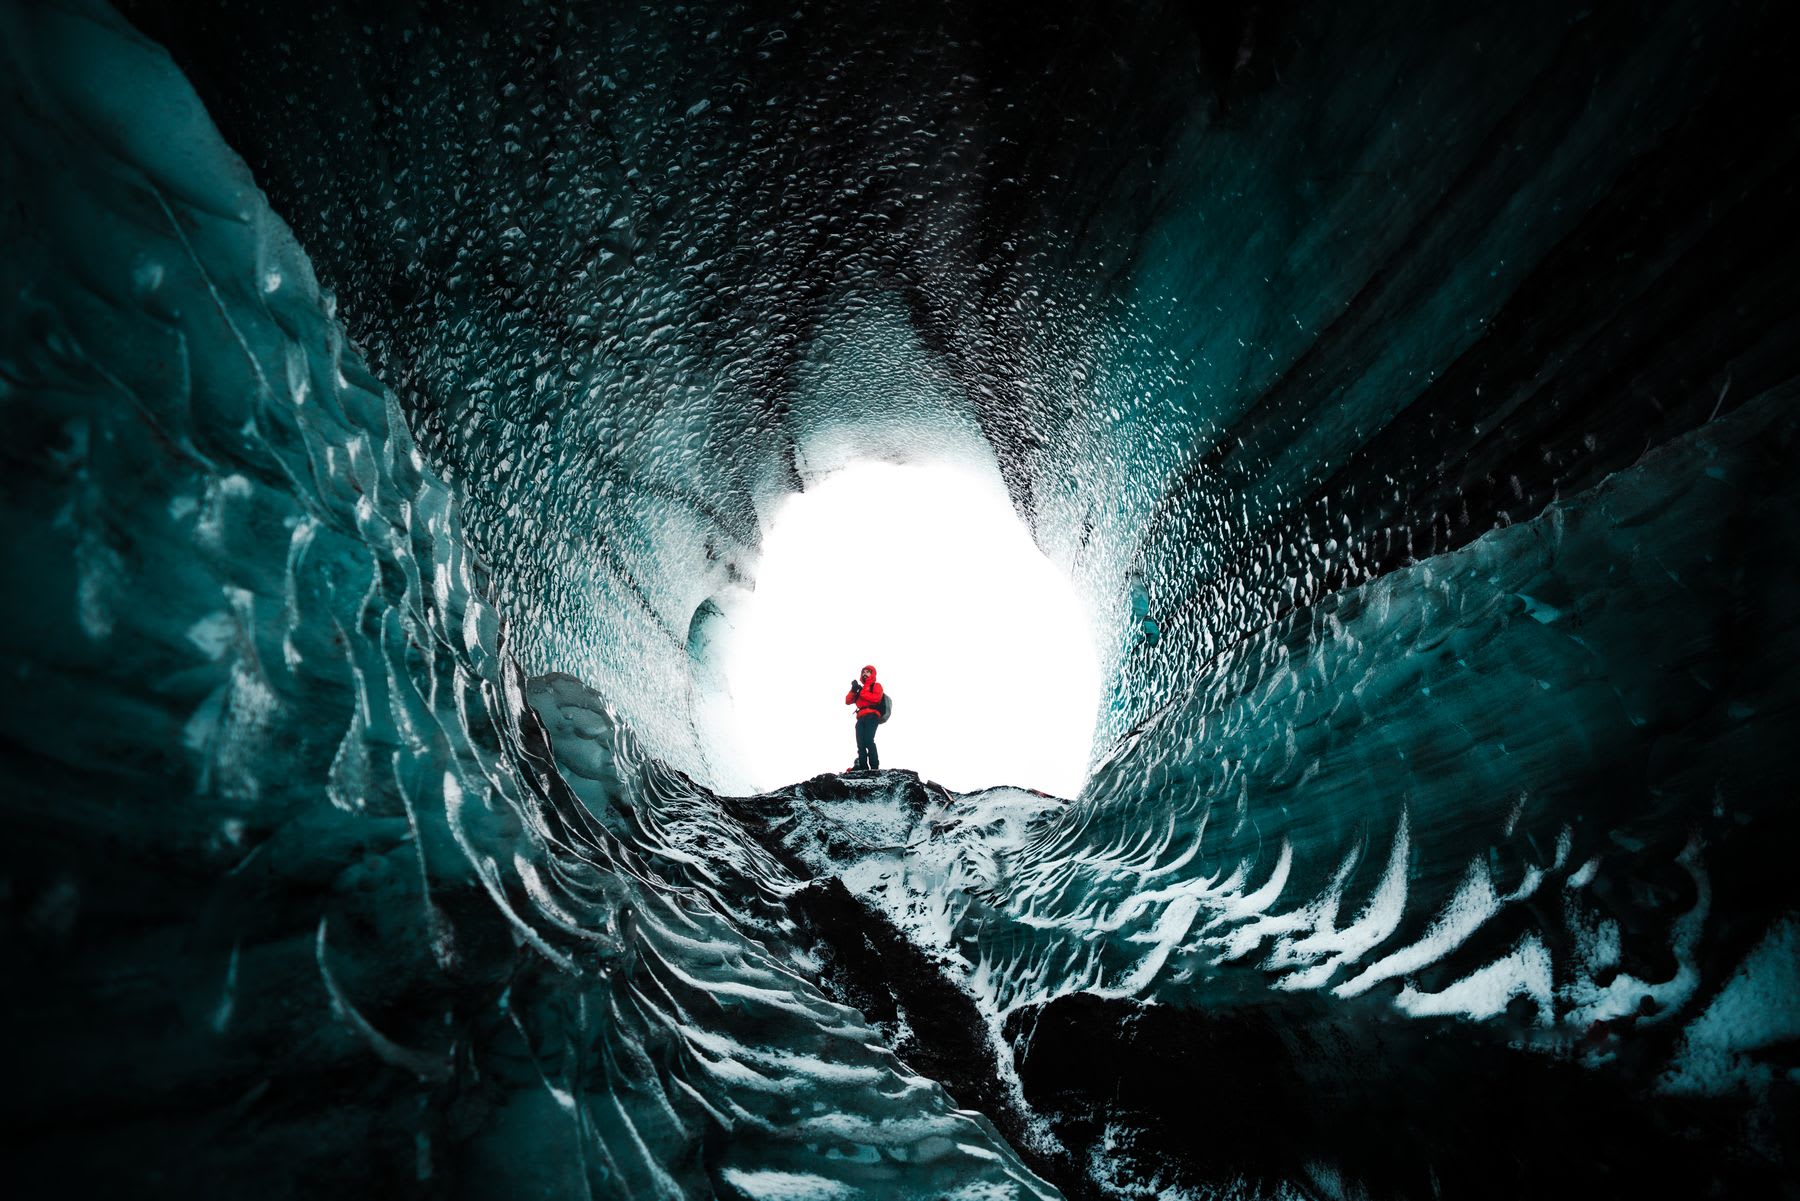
column 927, row 573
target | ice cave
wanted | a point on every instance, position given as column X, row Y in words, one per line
column 403, row 398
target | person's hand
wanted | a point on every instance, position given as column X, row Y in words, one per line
column 855, row 685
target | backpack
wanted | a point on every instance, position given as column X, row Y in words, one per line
column 887, row 706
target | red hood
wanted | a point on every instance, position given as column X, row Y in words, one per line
column 869, row 671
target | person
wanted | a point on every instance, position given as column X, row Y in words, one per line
column 865, row 694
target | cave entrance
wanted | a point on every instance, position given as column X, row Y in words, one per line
column 928, row 573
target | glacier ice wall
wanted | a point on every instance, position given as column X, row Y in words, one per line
column 292, row 874
column 1411, row 392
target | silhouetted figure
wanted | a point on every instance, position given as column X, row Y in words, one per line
column 865, row 693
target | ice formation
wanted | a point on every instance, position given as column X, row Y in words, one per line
column 395, row 397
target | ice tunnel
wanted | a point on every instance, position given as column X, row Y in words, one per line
column 398, row 400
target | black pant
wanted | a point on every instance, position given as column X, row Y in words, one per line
column 866, row 754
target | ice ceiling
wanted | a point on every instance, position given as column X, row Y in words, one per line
column 392, row 392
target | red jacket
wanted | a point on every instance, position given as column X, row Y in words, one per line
column 868, row 701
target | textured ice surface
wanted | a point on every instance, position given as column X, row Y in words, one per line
column 1247, row 304
column 1412, row 391
column 404, row 947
